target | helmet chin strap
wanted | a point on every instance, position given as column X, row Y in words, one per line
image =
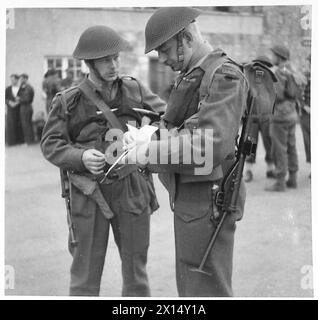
column 180, row 51
column 97, row 73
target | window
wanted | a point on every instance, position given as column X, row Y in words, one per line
column 61, row 64
column 75, row 66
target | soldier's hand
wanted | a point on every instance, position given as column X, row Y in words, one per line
column 94, row 161
column 145, row 120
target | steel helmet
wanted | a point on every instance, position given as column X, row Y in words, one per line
column 167, row 22
column 98, row 42
column 281, row 51
column 265, row 60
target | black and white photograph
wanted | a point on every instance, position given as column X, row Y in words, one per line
column 158, row 151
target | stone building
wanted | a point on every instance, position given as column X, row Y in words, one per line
column 42, row 38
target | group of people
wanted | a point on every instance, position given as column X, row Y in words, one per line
column 22, row 127
column 278, row 130
column 19, row 97
column 210, row 93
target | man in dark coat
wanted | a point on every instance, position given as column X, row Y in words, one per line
column 14, row 133
column 26, row 95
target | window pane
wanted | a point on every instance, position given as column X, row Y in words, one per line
column 58, row 63
column 50, row 64
column 70, row 63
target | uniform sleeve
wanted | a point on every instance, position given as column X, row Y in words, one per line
column 220, row 110
column 54, row 143
column 152, row 100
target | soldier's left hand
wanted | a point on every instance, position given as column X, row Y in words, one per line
column 145, row 120
column 138, row 155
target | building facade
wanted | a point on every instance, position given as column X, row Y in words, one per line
column 41, row 38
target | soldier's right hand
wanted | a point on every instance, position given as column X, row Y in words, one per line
column 94, row 161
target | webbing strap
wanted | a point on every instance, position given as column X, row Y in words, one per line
column 101, row 105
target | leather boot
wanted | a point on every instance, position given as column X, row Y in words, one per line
column 292, row 180
column 278, row 186
column 271, row 174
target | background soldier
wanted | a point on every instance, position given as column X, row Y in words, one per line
column 263, row 122
column 283, row 124
column 51, row 86
column 73, row 139
column 68, row 81
column 197, row 100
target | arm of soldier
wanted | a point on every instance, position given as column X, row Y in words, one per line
column 152, row 100
column 54, row 143
column 220, row 112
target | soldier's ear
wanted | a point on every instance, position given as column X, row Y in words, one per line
column 188, row 37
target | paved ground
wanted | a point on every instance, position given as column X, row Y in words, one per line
column 273, row 241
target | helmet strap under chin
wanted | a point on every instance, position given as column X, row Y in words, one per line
column 96, row 72
column 180, row 51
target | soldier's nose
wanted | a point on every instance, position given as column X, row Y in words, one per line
column 162, row 57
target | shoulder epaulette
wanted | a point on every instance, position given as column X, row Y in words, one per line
column 70, row 95
column 135, row 81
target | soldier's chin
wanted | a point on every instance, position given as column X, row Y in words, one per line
column 112, row 77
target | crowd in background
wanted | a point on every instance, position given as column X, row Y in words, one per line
column 22, row 127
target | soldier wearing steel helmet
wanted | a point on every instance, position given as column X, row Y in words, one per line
column 263, row 122
column 283, row 122
column 74, row 140
column 209, row 93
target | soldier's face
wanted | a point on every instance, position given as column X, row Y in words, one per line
column 167, row 54
column 108, row 67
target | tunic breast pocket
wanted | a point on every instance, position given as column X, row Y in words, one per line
column 91, row 131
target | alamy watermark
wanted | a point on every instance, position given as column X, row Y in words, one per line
column 9, row 278
column 307, row 280
column 305, row 20
column 187, row 147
